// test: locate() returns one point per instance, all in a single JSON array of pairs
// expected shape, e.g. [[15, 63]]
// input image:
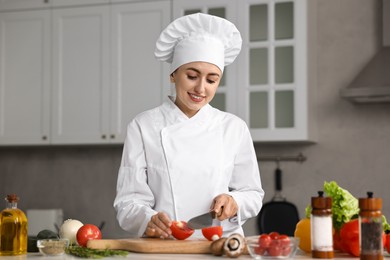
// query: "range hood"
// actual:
[[372, 84]]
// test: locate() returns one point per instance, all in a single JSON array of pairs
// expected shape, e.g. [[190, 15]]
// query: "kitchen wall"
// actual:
[[353, 146], [80, 180]]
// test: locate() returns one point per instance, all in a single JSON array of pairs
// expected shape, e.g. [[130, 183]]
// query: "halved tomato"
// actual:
[[212, 233], [180, 230]]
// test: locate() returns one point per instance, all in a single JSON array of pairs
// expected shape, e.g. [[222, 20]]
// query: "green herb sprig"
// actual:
[[85, 252]]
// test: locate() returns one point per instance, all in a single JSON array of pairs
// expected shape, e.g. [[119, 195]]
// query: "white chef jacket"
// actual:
[[178, 165]]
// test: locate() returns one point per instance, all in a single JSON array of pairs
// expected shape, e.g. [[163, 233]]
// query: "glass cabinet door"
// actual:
[[271, 65], [273, 69]]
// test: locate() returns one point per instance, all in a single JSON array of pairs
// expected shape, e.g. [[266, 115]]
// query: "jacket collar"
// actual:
[[175, 114]]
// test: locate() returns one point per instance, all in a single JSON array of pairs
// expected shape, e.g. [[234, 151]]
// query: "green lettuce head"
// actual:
[[344, 206]]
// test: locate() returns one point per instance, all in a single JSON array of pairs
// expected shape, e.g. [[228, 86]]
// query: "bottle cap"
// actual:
[[321, 202], [370, 203], [12, 198]]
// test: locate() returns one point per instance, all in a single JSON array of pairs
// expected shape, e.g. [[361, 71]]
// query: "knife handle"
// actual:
[[214, 214]]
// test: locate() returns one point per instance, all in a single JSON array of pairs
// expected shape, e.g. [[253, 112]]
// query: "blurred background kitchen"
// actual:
[[74, 72]]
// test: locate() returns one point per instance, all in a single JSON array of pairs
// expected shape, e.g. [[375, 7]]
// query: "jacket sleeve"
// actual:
[[134, 200], [245, 185]]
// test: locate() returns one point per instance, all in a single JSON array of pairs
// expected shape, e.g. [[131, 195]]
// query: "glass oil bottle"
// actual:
[[370, 225], [321, 227], [13, 228]]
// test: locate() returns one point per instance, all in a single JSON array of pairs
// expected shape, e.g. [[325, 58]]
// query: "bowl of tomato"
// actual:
[[272, 245]]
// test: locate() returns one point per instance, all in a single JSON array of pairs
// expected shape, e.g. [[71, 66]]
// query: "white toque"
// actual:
[[199, 37]]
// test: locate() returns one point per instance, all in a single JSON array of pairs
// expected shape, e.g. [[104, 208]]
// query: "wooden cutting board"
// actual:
[[153, 245]]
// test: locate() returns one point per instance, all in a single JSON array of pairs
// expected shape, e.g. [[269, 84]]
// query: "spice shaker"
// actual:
[[13, 228], [370, 224], [321, 227]]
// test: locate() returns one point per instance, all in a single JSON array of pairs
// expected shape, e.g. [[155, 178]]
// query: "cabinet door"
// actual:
[[61, 3], [225, 97], [6, 5], [139, 81], [130, 1], [273, 69], [25, 77], [80, 75]]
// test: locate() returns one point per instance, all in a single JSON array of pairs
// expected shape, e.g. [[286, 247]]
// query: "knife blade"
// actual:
[[202, 221]]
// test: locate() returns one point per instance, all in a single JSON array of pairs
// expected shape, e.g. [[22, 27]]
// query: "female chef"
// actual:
[[185, 158]]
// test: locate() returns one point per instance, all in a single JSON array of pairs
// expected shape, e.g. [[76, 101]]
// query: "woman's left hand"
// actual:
[[159, 226], [224, 206]]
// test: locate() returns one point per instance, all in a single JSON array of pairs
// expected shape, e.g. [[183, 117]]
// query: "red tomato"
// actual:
[[275, 248], [337, 241], [180, 230], [286, 250], [284, 244], [274, 235], [259, 250], [387, 245], [87, 232], [212, 233], [284, 240], [349, 234], [354, 247], [350, 230], [264, 240]]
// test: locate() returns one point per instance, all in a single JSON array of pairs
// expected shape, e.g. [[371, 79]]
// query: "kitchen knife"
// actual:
[[202, 221]]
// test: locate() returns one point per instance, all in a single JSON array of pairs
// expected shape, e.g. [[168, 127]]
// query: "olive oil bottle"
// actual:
[[13, 228]]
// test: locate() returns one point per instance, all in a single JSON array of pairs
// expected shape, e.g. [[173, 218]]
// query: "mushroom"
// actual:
[[216, 246], [234, 246]]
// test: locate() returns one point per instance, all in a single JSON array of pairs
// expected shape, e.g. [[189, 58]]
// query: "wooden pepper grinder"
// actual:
[[370, 225]]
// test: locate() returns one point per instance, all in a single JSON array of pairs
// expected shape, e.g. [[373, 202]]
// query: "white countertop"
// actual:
[[141, 256]]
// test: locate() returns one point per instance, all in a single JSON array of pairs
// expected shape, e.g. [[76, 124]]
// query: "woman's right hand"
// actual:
[[159, 226]]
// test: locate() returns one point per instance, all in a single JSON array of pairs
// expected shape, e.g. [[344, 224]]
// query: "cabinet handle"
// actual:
[[44, 137], [103, 136], [112, 136], [46, 1]]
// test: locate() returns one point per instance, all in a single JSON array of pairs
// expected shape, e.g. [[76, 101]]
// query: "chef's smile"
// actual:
[[196, 98], [196, 84]]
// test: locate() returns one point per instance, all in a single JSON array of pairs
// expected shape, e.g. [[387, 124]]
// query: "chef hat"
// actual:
[[199, 37]]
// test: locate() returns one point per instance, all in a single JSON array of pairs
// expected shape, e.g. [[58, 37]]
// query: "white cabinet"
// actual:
[[126, 1], [25, 77], [104, 69], [7, 5], [138, 81], [80, 71], [78, 75], [12, 5], [62, 3], [270, 88]]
